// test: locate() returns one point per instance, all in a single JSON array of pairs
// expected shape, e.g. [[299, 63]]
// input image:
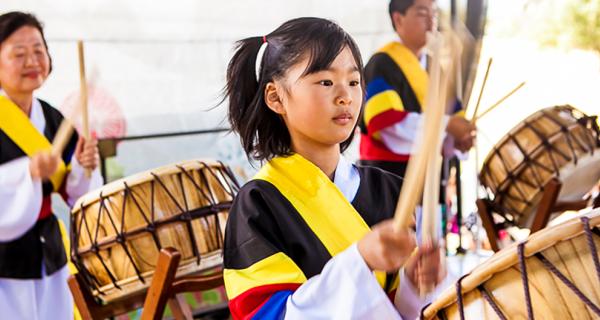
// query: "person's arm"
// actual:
[[20, 199], [85, 156], [401, 136], [78, 184], [345, 289], [262, 282]]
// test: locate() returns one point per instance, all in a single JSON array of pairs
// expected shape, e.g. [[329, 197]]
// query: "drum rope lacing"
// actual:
[[461, 308], [585, 140], [524, 277], [225, 176]]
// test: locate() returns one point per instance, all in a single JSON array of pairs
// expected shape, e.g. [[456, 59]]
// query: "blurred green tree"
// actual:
[[582, 20]]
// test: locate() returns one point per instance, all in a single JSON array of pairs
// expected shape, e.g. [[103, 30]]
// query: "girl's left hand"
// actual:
[[86, 153], [425, 269]]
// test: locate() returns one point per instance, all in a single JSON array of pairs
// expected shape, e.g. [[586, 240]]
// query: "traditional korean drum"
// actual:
[[555, 274], [559, 142], [118, 230]]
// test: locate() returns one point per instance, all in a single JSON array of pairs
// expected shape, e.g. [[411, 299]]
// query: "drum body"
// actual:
[[496, 289], [118, 230], [559, 142]]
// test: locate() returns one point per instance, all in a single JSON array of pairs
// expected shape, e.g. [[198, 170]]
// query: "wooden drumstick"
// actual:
[[429, 217], [83, 99], [487, 72], [430, 209], [448, 80], [412, 186], [62, 137], [477, 117]]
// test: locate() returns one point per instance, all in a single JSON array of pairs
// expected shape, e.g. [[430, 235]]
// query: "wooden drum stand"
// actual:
[[546, 207], [163, 289]]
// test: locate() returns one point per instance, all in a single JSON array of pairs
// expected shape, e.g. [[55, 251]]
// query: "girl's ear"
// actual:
[[272, 98]]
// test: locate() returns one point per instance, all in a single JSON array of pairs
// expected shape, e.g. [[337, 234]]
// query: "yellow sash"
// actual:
[[16, 125], [320, 203], [407, 61]]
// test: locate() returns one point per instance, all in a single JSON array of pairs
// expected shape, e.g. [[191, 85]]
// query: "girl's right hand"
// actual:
[[386, 249], [43, 165]]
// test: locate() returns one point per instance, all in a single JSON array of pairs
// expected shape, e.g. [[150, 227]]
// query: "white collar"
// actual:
[[37, 115], [347, 178]]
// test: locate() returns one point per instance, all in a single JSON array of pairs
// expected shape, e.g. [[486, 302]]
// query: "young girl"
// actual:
[[310, 237], [33, 270]]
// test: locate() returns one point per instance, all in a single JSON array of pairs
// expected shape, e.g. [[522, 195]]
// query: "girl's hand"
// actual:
[[425, 269], [386, 249], [43, 165], [86, 153]]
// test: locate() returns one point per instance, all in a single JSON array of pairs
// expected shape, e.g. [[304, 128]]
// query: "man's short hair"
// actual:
[[399, 6]]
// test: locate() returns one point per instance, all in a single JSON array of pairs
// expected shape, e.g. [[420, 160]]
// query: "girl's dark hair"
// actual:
[[263, 132], [13, 21]]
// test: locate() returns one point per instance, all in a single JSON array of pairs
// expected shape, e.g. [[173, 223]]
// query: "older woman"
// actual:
[[33, 270]]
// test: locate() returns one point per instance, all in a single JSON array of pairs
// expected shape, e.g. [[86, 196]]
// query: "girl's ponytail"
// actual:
[[262, 132], [242, 88]]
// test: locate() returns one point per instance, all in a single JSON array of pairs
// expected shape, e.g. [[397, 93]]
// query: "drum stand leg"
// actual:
[[90, 309], [548, 205], [163, 290], [87, 306], [158, 293], [164, 287], [179, 308], [487, 219]]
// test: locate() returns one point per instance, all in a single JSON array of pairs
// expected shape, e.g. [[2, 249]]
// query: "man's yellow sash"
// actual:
[[16, 125], [409, 64], [319, 201]]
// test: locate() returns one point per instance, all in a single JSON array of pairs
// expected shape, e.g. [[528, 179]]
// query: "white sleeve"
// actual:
[[407, 300], [20, 199], [345, 289], [78, 184], [402, 137], [399, 138]]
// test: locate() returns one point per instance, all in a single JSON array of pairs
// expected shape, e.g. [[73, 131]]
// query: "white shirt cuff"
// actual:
[[78, 184], [407, 300]]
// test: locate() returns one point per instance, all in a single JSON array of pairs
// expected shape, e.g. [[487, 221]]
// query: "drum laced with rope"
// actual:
[[555, 274], [558, 142], [117, 231]]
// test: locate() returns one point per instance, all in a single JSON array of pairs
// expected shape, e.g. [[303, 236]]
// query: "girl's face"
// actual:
[[319, 109], [24, 61]]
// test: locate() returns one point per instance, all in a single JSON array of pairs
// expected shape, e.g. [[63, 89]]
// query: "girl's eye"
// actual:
[[354, 83], [326, 83]]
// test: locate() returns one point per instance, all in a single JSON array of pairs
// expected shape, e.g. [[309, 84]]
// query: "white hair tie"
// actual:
[[259, 57]]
